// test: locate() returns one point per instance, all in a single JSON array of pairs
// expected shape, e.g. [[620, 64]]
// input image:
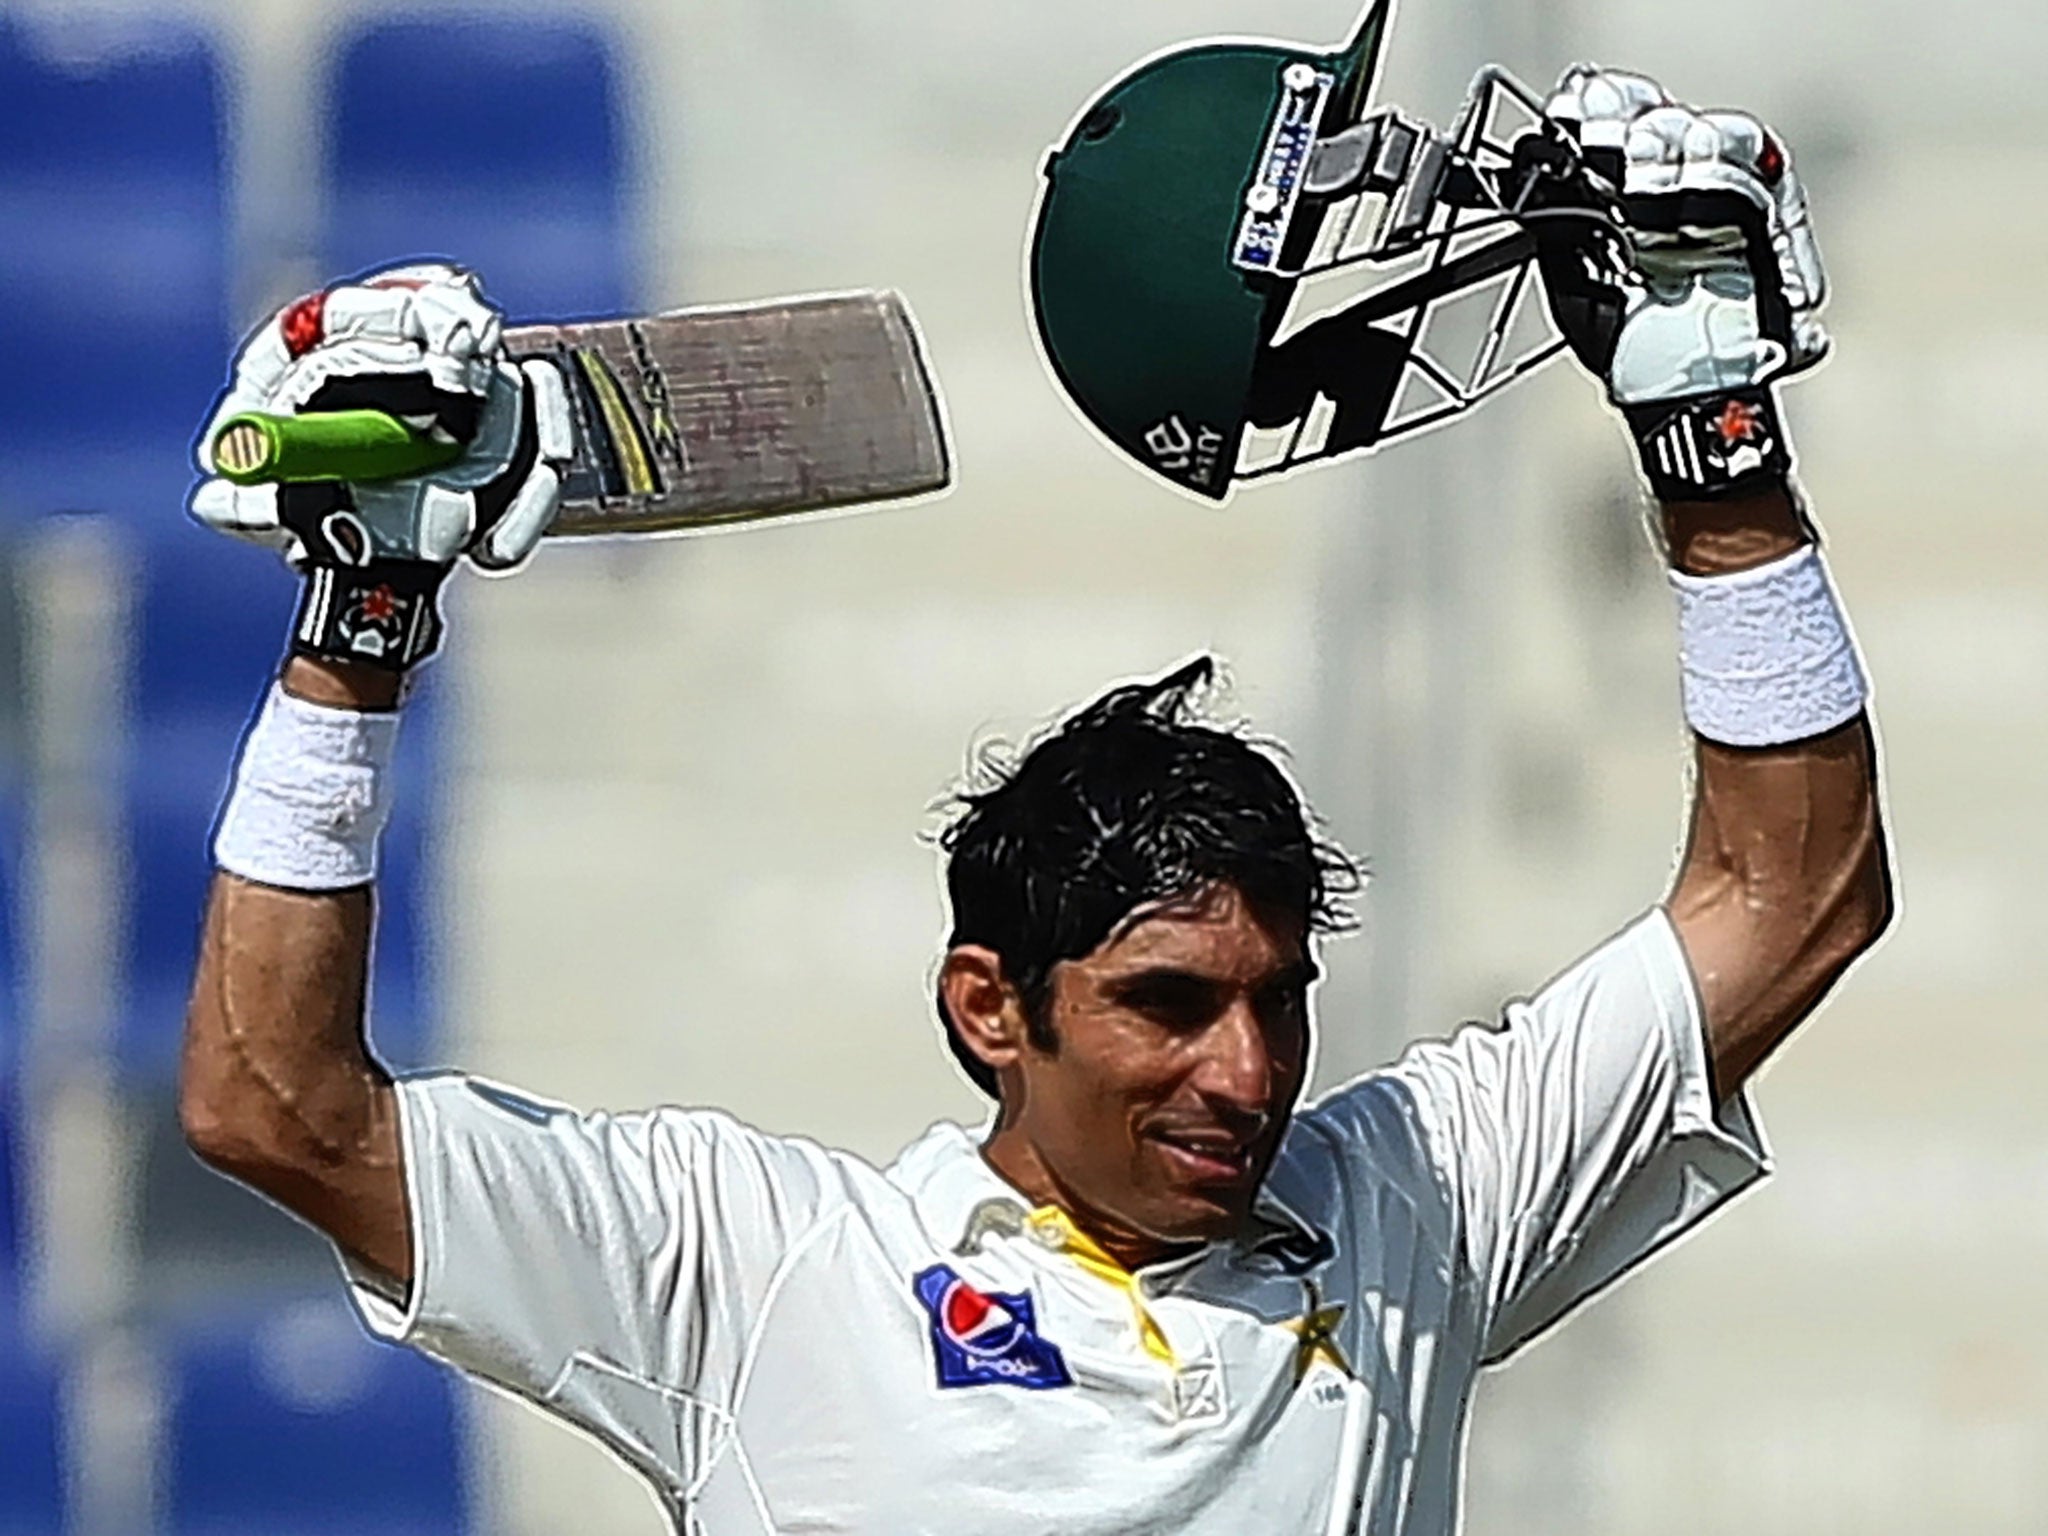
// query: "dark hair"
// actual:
[[1131, 799]]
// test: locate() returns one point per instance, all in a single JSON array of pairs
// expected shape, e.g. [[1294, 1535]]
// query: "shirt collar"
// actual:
[[963, 1201]]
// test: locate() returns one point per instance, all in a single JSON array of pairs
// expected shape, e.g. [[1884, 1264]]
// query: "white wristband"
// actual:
[[1765, 654], [310, 797]]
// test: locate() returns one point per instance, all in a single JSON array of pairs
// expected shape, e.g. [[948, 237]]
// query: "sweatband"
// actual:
[[1765, 655], [310, 797]]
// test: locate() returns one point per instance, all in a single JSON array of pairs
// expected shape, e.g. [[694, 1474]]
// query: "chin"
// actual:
[[1207, 1215]]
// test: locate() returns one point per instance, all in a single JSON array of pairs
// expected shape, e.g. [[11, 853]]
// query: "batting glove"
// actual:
[[419, 343], [1717, 296]]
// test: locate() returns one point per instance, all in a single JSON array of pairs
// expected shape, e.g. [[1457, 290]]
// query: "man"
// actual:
[[1150, 1295]]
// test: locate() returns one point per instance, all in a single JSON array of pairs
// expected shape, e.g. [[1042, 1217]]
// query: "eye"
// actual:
[[1283, 1007], [1173, 1000]]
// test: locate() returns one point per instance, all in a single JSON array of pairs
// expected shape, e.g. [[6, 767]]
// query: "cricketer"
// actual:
[[1155, 1291]]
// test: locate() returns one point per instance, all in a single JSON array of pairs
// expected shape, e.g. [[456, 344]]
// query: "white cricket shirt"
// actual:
[[784, 1338]]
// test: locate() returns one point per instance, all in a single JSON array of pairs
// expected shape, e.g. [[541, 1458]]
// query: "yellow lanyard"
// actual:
[[1050, 1220]]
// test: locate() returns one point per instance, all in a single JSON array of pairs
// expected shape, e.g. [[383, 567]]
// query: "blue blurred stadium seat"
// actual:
[[115, 266], [31, 1476], [289, 1421], [113, 263], [13, 748], [13, 1236], [492, 139], [31, 1479]]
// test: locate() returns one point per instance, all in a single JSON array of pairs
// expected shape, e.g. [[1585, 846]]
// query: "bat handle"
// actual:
[[255, 448]]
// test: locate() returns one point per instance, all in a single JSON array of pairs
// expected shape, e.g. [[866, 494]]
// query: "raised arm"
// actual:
[[1691, 317], [279, 1088], [1785, 878]]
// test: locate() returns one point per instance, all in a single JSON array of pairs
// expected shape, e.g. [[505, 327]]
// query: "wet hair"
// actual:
[[1132, 799]]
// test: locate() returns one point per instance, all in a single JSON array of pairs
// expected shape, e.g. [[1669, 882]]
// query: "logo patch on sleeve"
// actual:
[[986, 1337]]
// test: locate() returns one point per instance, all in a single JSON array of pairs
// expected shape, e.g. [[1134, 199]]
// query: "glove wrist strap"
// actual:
[[1711, 446], [382, 613]]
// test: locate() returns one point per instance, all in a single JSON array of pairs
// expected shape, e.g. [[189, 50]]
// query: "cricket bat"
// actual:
[[690, 419]]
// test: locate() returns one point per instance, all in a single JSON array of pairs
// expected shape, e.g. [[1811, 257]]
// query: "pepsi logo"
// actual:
[[983, 1337], [979, 1324]]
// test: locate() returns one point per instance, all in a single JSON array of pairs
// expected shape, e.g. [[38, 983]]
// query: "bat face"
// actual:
[[692, 419], [705, 417]]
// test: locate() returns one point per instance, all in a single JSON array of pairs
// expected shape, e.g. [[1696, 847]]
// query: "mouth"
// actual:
[[1205, 1157]]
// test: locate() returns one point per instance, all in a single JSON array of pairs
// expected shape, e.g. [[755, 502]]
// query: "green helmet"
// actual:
[[1153, 224]]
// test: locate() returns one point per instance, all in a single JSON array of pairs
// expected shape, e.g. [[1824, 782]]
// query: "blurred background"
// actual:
[[663, 802]]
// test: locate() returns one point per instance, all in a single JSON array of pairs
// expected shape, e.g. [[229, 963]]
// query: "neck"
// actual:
[[1020, 1163]]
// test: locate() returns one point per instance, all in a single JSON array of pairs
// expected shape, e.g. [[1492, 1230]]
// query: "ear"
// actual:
[[985, 1008]]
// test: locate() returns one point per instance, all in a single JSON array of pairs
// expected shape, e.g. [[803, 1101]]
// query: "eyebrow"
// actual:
[[1299, 974]]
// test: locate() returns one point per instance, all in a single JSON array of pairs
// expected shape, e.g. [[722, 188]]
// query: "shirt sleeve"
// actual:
[[608, 1267], [1578, 1136]]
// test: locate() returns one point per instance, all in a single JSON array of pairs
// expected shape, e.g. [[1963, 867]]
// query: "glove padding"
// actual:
[[421, 343], [1723, 286]]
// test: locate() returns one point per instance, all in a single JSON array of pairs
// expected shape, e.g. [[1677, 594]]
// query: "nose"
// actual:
[[1236, 1073]]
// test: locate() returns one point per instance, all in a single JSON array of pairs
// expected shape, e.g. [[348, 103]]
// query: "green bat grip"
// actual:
[[258, 449]]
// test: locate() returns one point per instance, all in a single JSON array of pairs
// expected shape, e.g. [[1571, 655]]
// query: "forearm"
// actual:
[[1784, 879], [1784, 882], [278, 1088]]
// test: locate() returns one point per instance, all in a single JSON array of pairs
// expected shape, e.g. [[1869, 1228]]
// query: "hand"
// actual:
[[1723, 286], [420, 343]]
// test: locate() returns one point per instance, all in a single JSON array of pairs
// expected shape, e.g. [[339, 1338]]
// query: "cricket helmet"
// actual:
[[1149, 312]]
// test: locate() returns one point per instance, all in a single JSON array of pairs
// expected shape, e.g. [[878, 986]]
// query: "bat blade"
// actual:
[[704, 417], [691, 419]]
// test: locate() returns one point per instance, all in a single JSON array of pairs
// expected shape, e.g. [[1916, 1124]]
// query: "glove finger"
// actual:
[[264, 360], [1598, 104], [447, 522], [1800, 268], [438, 307], [1740, 140], [1654, 145], [1708, 161], [363, 313], [430, 303], [453, 321], [246, 511], [553, 423], [529, 514], [458, 374], [355, 359], [465, 374]]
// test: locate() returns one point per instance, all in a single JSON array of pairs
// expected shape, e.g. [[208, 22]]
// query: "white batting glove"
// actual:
[[422, 344], [1727, 284]]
